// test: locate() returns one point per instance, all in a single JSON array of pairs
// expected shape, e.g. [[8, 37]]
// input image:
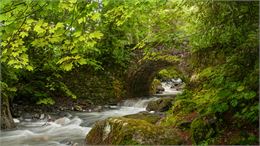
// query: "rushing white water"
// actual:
[[168, 90], [68, 131], [64, 130]]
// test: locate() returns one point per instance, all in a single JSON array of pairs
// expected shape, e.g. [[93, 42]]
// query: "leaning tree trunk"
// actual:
[[6, 117]]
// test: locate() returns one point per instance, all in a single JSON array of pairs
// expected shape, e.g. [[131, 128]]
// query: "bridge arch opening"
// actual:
[[140, 81], [168, 81]]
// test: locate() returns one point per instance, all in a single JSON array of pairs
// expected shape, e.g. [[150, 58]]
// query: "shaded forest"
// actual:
[[84, 54]]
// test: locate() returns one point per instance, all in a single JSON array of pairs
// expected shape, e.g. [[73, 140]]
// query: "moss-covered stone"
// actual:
[[154, 86], [97, 86], [121, 131], [148, 117], [160, 105]]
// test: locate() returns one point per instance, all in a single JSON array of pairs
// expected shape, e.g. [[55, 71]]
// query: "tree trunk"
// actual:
[[7, 121]]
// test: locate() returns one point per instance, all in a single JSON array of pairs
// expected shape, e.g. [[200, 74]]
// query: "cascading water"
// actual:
[[168, 90], [69, 131], [64, 130]]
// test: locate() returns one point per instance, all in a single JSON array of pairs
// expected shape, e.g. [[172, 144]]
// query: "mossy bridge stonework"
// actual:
[[141, 76], [115, 84]]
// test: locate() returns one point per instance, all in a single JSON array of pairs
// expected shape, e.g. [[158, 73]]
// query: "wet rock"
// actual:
[[42, 116], [125, 131], [16, 120], [178, 81], [98, 109], [160, 105], [113, 107], [66, 141], [159, 89], [62, 121], [49, 118], [36, 116], [174, 85], [26, 117], [64, 114], [77, 108], [148, 117], [152, 112]]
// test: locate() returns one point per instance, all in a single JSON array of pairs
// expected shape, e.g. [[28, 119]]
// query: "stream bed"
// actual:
[[73, 130]]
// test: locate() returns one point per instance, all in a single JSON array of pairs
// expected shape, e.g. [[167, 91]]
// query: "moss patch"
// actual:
[[131, 131], [148, 117]]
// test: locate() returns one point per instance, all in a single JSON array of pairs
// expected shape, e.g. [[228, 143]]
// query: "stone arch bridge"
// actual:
[[140, 77]]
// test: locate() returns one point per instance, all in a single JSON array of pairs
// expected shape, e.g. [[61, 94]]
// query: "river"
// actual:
[[69, 131]]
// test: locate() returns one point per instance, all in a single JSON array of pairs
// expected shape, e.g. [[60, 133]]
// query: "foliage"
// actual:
[[33, 25], [43, 40], [169, 73], [46, 101], [225, 64]]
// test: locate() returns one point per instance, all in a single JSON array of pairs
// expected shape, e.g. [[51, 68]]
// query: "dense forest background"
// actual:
[[71, 49]]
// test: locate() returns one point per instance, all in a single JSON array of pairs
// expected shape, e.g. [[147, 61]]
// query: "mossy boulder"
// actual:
[[148, 117], [154, 86], [160, 105], [126, 131]]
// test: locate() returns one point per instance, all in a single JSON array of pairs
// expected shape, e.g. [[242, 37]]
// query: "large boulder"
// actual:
[[126, 131], [160, 105], [148, 117]]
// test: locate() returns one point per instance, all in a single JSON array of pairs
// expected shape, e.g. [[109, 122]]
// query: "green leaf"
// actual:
[[55, 39], [30, 68], [95, 16], [249, 95], [38, 27], [72, 1], [23, 34], [29, 21], [11, 62], [96, 34], [46, 101], [240, 88], [15, 54], [59, 25], [82, 38], [81, 20], [67, 67], [234, 103], [77, 34], [82, 61], [3, 44]]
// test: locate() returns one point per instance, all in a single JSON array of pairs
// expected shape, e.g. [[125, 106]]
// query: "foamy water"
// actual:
[[61, 132]]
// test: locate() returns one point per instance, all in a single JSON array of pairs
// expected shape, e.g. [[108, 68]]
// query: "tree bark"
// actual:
[[7, 121]]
